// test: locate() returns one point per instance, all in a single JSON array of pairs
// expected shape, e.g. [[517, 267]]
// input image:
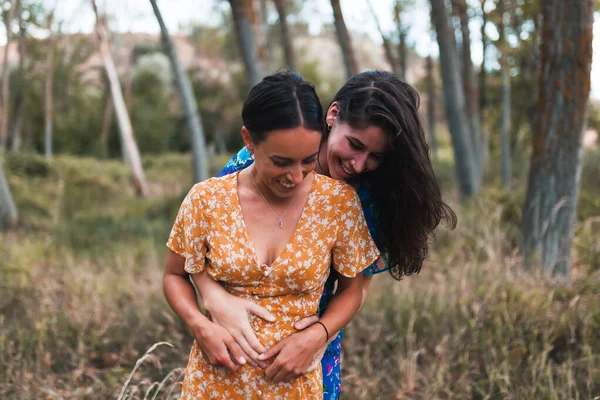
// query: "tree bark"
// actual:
[[431, 106], [483, 89], [20, 98], [344, 40], [186, 93], [465, 162], [5, 78], [401, 41], [505, 157], [245, 19], [8, 210], [286, 39], [106, 121], [125, 128], [557, 150], [48, 98], [469, 80]]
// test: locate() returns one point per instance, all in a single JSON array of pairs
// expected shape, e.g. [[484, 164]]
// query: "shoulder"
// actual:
[[240, 161], [336, 190], [211, 187]]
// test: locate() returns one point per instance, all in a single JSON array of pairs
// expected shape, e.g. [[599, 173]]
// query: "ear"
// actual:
[[247, 138], [332, 113]]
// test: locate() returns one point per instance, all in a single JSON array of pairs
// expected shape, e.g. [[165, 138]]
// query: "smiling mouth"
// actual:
[[346, 170], [287, 185]]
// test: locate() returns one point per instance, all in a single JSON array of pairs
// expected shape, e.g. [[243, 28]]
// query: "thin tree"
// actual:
[[484, 155], [431, 105], [48, 98], [20, 95], [469, 80], [286, 39], [189, 102], [387, 46], [106, 119], [557, 150], [401, 39], [5, 77], [8, 210], [350, 63], [125, 128], [245, 20], [505, 157], [464, 159]]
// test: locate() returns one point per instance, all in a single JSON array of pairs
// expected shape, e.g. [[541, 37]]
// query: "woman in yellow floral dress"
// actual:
[[270, 234]]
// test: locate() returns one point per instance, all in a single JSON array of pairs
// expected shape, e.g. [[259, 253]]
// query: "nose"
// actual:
[[296, 175], [359, 163]]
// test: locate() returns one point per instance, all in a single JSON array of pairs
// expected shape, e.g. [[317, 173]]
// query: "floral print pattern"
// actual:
[[331, 359], [211, 235]]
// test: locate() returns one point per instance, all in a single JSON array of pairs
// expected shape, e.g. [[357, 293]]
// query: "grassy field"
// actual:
[[81, 298]]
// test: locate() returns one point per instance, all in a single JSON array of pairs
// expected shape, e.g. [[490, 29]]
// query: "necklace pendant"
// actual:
[[280, 224]]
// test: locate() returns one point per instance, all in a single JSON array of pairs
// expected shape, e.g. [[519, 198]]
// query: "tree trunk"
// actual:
[[469, 81], [387, 46], [465, 163], [8, 209], [264, 41], [485, 152], [286, 39], [556, 159], [244, 19], [125, 128], [186, 92], [20, 98], [505, 167], [431, 106], [343, 36], [401, 67], [505, 157], [5, 78], [48, 102]]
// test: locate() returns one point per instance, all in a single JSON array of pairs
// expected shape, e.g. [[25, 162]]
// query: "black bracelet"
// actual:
[[324, 327]]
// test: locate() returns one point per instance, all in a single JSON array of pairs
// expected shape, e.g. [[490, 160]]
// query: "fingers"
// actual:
[[249, 351], [272, 352], [306, 322], [220, 356], [253, 341], [261, 312], [236, 352]]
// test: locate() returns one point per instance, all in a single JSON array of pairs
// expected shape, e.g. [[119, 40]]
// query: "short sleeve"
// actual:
[[188, 235], [242, 160], [354, 249]]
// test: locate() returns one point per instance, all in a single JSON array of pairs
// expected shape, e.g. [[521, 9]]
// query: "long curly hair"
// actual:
[[405, 190]]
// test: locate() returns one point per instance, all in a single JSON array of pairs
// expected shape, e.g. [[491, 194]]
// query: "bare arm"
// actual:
[[215, 342]]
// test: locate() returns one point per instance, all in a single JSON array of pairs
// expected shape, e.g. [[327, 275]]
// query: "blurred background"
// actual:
[[111, 110]]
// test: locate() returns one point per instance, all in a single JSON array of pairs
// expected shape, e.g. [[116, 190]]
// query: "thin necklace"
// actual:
[[280, 219]]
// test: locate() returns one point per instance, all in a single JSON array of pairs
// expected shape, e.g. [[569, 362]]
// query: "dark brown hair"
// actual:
[[406, 194]]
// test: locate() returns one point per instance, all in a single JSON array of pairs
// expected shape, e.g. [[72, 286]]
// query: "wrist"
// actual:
[[319, 333], [197, 322]]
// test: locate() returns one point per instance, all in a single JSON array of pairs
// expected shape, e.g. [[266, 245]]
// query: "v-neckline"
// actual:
[[292, 238]]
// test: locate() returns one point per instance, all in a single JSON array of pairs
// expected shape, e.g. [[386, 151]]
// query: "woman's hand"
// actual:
[[232, 312], [296, 355], [215, 342], [217, 345]]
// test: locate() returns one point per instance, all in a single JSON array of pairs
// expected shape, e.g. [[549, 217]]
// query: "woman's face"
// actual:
[[283, 159], [350, 152]]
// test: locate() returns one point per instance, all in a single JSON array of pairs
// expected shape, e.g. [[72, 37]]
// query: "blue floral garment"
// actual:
[[331, 359]]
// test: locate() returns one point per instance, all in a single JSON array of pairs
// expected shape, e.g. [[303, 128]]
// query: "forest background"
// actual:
[[107, 120]]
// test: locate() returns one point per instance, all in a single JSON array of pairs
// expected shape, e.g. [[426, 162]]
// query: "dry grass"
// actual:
[[82, 302]]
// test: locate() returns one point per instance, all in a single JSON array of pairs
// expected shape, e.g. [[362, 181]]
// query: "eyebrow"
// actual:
[[281, 158], [378, 153]]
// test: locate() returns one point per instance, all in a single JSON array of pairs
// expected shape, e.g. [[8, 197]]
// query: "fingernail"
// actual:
[[271, 318], [242, 360], [261, 357]]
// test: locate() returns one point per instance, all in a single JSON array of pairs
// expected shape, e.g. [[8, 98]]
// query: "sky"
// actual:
[[137, 16]]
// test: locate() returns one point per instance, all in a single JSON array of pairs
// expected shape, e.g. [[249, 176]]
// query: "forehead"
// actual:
[[295, 143]]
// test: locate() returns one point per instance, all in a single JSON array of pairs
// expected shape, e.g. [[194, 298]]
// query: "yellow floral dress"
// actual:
[[210, 234]]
